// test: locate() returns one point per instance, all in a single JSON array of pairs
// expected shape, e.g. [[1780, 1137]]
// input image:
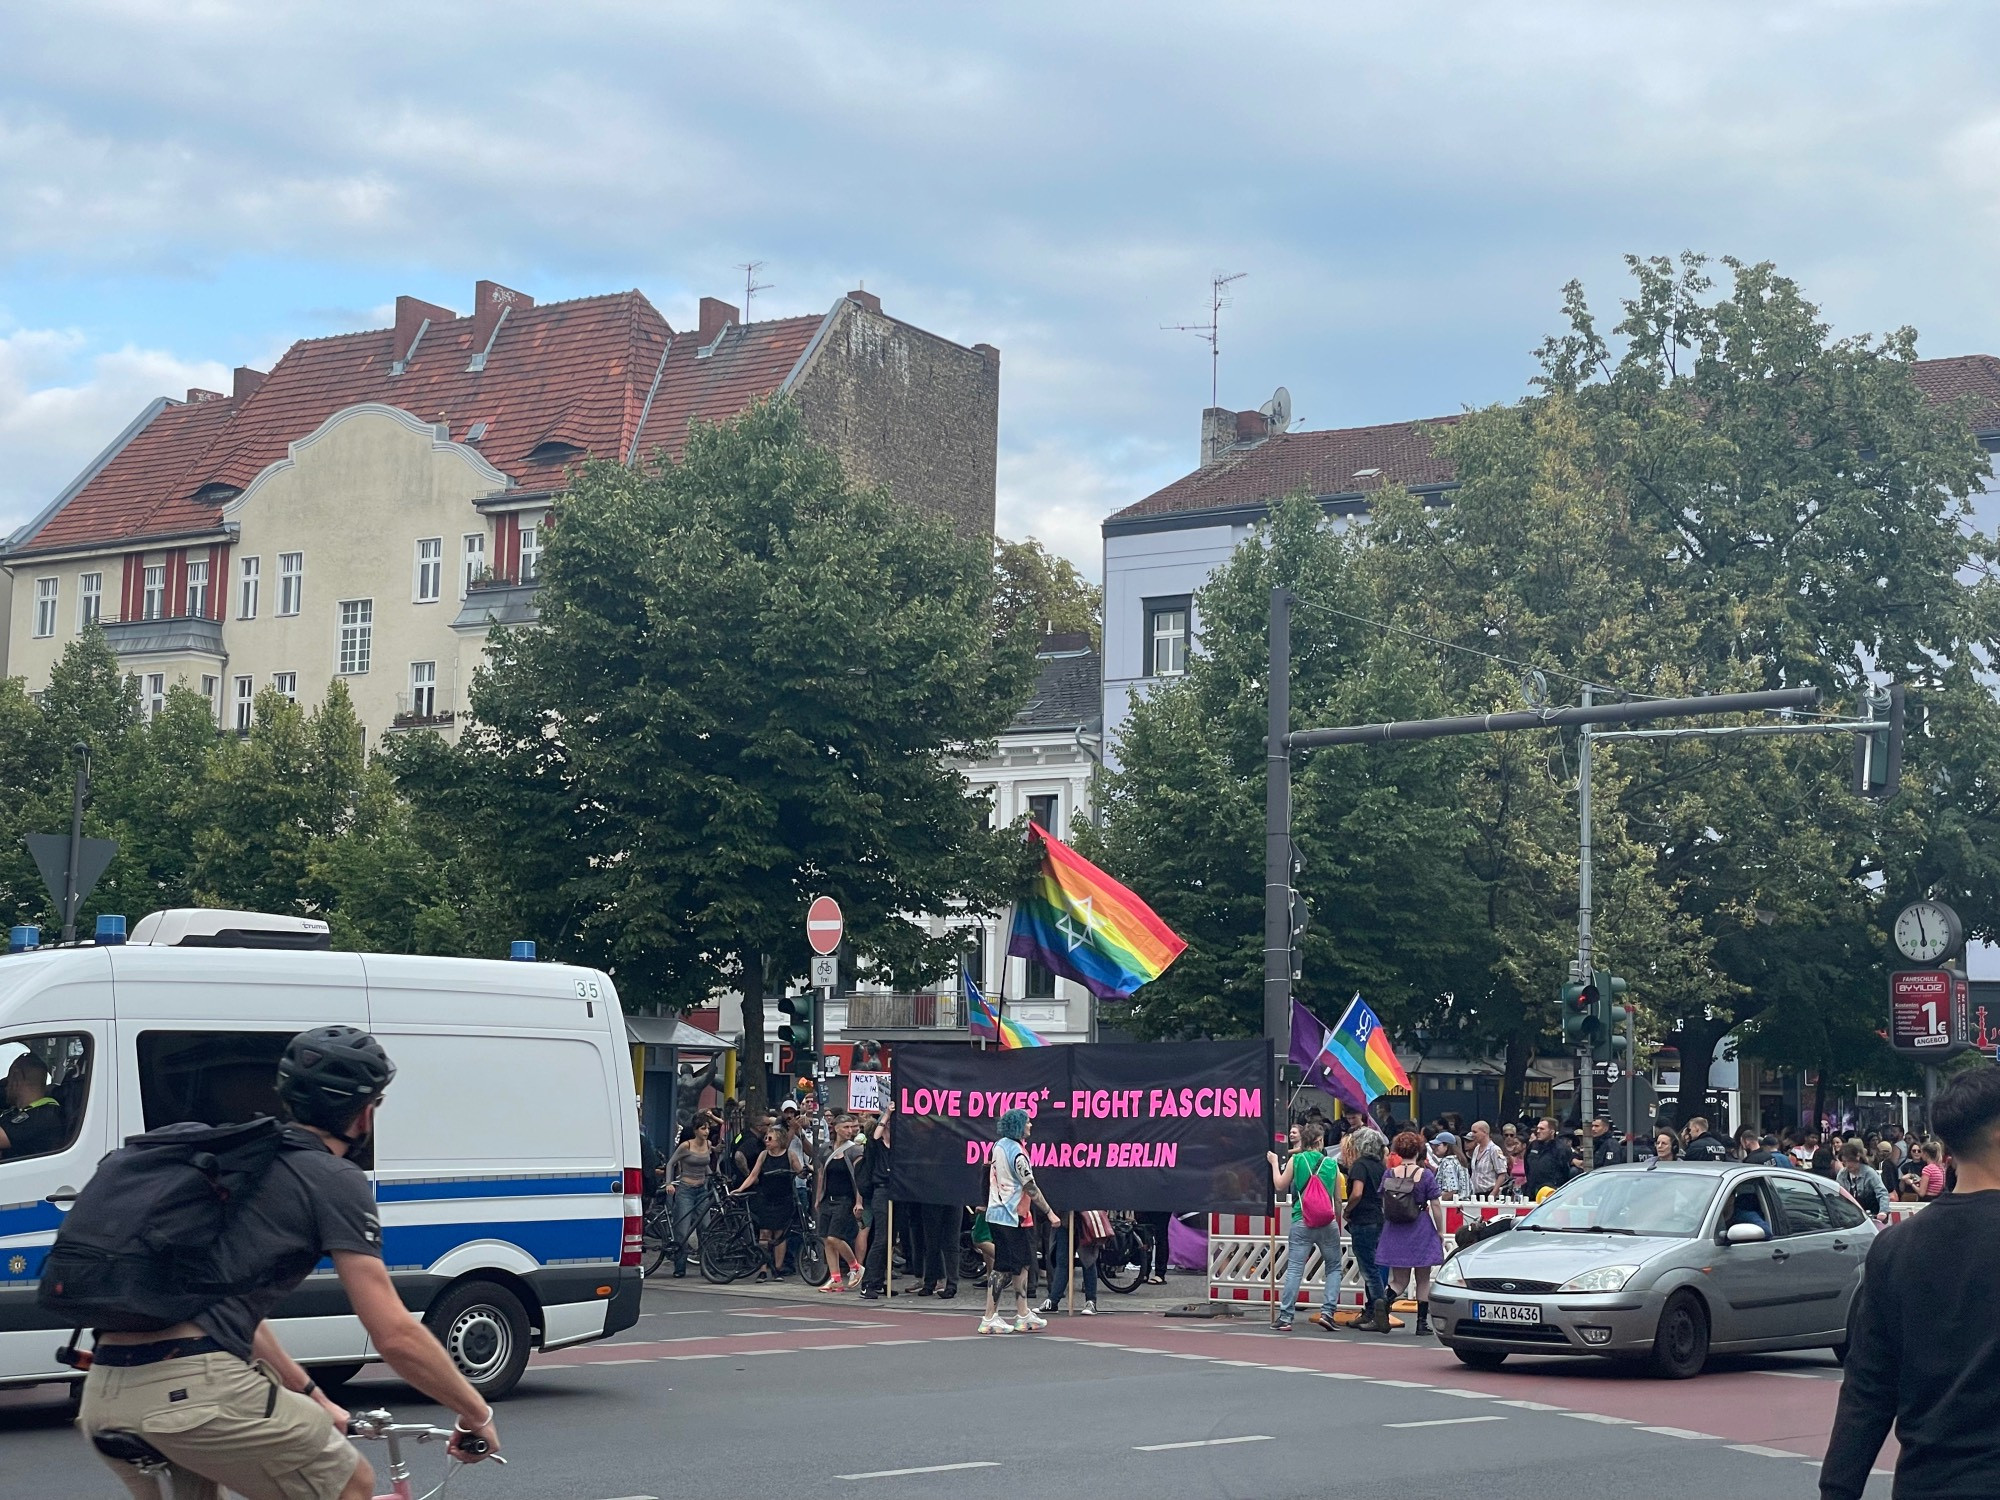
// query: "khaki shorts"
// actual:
[[226, 1423]]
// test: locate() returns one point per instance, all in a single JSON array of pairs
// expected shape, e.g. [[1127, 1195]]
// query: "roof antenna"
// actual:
[[751, 285], [1210, 332]]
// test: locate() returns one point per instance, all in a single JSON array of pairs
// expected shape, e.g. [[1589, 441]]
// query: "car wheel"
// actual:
[[332, 1376], [1680, 1344], [1481, 1359], [484, 1329]]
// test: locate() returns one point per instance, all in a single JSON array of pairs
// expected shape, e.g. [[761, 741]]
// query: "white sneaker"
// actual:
[[1088, 1310], [1028, 1322], [1046, 1307], [995, 1324]]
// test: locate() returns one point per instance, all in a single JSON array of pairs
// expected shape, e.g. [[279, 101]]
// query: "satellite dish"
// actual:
[[1278, 410]]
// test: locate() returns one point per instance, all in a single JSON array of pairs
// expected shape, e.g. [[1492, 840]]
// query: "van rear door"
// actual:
[[200, 1031]]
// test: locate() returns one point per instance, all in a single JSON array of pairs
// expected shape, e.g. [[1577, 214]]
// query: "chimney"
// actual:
[[491, 303], [867, 299], [412, 314], [1252, 427], [1218, 433], [247, 381], [716, 315], [196, 395], [988, 353]]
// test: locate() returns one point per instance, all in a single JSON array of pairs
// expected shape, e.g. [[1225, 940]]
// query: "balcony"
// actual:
[[869, 1015], [498, 599], [169, 635], [410, 719]]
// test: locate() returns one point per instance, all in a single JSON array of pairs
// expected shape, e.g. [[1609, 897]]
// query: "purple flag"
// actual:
[[1309, 1049]]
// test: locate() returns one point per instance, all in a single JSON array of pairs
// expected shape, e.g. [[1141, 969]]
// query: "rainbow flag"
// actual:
[[1014, 1034], [1078, 922], [982, 1019], [1355, 1062]]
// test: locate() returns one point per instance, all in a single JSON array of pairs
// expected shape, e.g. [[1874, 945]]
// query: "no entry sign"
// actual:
[[824, 924]]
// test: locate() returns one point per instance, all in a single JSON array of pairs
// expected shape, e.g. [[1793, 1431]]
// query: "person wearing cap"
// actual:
[[1448, 1161], [1011, 1186]]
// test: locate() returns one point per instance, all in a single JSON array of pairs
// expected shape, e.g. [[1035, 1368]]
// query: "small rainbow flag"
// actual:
[[1014, 1034], [981, 1018], [1355, 1062], [1078, 922]]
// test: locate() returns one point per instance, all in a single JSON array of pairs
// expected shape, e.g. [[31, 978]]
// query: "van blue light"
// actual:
[[522, 950], [23, 939], [110, 932]]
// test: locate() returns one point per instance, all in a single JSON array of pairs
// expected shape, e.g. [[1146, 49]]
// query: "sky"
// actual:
[[187, 185]]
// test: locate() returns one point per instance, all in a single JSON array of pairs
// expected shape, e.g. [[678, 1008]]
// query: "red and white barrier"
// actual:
[[1247, 1253]]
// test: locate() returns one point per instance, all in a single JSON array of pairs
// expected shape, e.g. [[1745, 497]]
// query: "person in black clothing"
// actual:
[[775, 1203], [1923, 1346], [31, 1125], [1158, 1223], [877, 1180], [1701, 1146], [937, 1226], [1547, 1158]]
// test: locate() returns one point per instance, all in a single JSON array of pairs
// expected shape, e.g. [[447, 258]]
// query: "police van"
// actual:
[[506, 1157]]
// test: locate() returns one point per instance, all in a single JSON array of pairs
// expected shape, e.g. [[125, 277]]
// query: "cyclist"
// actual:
[[775, 1206], [218, 1396]]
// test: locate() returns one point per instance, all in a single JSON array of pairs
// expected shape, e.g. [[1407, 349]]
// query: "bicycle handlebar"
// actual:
[[380, 1424]]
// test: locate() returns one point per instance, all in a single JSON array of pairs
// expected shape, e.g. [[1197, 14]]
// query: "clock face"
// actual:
[[1926, 931]]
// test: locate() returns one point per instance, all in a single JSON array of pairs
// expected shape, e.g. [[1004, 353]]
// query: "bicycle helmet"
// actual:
[[329, 1074]]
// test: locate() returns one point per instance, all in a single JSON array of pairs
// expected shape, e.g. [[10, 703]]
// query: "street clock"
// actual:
[[1927, 932]]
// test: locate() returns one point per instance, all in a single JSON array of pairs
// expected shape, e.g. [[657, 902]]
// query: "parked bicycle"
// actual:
[[661, 1236], [1125, 1260], [727, 1239]]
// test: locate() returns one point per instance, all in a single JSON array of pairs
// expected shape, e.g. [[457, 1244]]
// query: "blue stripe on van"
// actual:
[[547, 1240], [26, 1218], [497, 1187], [29, 1258]]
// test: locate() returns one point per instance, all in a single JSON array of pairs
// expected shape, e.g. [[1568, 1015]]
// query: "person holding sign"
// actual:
[[1313, 1180], [1010, 1186]]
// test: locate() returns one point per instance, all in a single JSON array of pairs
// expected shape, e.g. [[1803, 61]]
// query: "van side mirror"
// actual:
[[1745, 1234]]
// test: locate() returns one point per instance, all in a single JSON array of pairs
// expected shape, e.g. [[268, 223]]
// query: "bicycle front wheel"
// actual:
[[812, 1260], [723, 1257], [1122, 1266], [659, 1241]]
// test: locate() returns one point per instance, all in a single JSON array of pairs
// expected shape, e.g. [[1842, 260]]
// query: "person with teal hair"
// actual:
[[1010, 1186]]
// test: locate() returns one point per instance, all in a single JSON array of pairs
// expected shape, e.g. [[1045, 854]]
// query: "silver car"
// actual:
[[1664, 1262]]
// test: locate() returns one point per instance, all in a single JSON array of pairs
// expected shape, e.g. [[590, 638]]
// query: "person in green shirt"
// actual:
[[1309, 1161]]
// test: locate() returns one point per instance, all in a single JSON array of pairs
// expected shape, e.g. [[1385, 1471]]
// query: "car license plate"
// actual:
[[1506, 1312]]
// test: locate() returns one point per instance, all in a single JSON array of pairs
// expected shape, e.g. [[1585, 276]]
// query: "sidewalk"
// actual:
[[1182, 1287]]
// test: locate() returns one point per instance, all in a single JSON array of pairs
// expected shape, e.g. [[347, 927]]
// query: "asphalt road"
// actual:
[[781, 1393]]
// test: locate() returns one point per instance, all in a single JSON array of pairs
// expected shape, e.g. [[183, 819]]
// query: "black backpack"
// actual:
[[1399, 1197], [147, 1243]]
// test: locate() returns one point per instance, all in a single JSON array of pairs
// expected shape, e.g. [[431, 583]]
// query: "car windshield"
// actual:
[[1662, 1203]]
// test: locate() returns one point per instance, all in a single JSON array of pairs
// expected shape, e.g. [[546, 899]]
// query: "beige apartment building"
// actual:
[[372, 507]]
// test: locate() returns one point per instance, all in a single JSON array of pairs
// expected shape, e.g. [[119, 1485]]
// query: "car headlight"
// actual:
[[1449, 1274], [1602, 1279]]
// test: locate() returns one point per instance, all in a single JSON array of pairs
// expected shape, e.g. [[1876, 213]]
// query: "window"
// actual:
[[250, 577], [1042, 813], [153, 599], [423, 688], [1845, 1212], [474, 555], [90, 600], [209, 688], [1166, 637], [291, 582], [430, 570], [1804, 1210], [357, 636], [246, 704], [286, 685], [213, 1077], [531, 553], [54, 1069], [197, 590], [153, 699], [45, 606]]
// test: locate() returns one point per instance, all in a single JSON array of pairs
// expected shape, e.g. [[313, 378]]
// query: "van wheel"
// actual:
[[484, 1329], [1680, 1347], [333, 1375]]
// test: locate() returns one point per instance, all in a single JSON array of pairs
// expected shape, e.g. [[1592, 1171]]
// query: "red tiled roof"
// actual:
[[1338, 461], [572, 375], [1342, 461], [748, 364]]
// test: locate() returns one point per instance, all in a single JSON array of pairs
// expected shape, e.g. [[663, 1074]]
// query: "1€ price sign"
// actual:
[[1921, 1011]]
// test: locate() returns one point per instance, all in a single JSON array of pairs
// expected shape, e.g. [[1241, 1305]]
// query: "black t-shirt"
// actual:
[[1366, 1173], [309, 1204], [33, 1129], [839, 1186], [774, 1178]]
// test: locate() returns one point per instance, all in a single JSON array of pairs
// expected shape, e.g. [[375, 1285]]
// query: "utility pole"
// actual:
[[72, 899], [1585, 1079], [1278, 831]]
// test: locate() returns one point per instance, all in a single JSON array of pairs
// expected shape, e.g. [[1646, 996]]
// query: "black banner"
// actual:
[[1159, 1126]]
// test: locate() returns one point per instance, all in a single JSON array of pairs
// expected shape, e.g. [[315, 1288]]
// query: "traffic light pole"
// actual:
[[1278, 832], [1586, 1079]]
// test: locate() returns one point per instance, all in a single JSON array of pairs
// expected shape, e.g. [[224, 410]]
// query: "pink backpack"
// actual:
[[1316, 1203]]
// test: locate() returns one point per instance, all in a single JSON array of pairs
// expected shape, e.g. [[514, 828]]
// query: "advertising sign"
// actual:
[[1924, 1011], [1161, 1126]]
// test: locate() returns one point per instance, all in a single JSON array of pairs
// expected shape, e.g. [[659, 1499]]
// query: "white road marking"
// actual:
[[1339, 1375], [1445, 1422], [1446, 1390], [1762, 1452], [1532, 1405], [1682, 1432], [1256, 1437], [1598, 1416], [1795, 1374], [1401, 1385], [632, 1361], [927, 1469]]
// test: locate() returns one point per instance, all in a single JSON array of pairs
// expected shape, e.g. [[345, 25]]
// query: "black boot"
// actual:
[[1378, 1314], [1423, 1320]]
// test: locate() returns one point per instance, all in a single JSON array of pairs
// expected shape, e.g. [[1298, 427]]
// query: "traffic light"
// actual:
[[1580, 1020], [1878, 753], [1613, 1042], [797, 1030]]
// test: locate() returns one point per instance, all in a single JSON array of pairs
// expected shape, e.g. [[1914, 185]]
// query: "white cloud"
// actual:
[[60, 405]]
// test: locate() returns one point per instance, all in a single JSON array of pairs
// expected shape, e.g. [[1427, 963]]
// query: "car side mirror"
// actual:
[[1745, 1234]]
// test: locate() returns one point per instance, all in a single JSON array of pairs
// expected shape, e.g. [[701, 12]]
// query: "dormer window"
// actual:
[[216, 493], [555, 451]]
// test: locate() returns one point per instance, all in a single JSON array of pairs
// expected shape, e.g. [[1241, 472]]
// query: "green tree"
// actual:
[[1038, 593], [747, 687]]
